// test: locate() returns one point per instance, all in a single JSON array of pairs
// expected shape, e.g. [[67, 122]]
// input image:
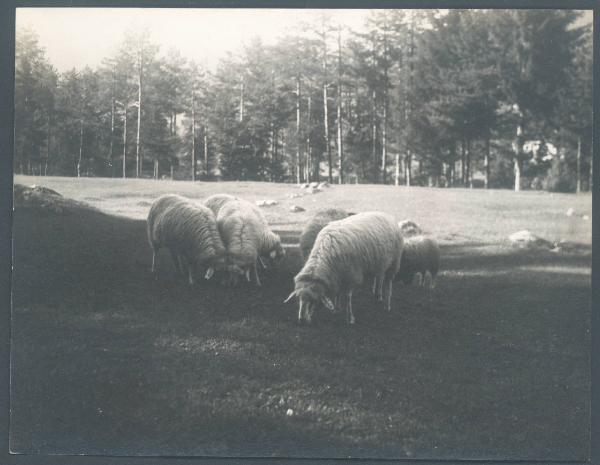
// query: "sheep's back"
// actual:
[[310, 231], [158, 209], [240, 229], [215, 202], [369, 243]]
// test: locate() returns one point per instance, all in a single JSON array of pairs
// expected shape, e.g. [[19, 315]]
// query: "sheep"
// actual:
[[421, 255], [310, 231], [189, 231], [344, 252], [242, 231], [216, 201], [410, 228]]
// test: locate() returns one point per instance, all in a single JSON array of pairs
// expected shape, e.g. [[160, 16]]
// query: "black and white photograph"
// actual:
[[302, 233]]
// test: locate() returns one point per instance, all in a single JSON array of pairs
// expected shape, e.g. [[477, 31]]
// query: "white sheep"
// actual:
[[319, 220], [420, 257], [409, 228], [189, 231], [344, 253], [216, 201], [241, 230]]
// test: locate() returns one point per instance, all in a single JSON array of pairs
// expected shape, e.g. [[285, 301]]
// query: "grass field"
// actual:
[[493, 363]]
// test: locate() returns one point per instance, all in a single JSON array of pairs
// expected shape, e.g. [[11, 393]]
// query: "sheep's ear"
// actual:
[[273, 254], [293, 294], [326, 301], [209, 273]]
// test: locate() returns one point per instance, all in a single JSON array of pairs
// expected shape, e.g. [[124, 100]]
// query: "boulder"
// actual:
[[266, 203], [297, 208], [526, 239]]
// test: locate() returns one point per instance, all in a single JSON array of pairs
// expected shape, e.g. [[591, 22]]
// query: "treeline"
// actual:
[[465, 98]]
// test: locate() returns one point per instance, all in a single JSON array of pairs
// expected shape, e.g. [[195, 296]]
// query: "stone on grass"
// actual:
[[266, 203], [526, 239], [570, 212], [297, 208]]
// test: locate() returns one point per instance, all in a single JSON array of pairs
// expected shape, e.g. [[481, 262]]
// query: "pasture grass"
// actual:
[[493, 363]]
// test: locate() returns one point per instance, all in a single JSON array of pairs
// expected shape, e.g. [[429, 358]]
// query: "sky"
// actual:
[[76, 37]]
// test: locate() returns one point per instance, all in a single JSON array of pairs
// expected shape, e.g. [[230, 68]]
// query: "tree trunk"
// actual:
[[273, 145], [80, 147], [486, 162], [125, 145], [242, 100], [298, 130], [48, 136], [206, 151], [138, 167], [374, 138], [578, 186], [517, 158], [339, 110], [463, 177], [468, 167], [590, 182], [155, 169], [397, 173], [408, 167], [384, 143], [326, 132], [112, 136], [193, 138], [308, 147]]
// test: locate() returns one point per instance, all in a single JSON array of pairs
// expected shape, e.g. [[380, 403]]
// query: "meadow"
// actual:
[[494, 363]]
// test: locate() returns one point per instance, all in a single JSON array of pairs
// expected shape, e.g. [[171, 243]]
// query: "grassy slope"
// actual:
[[493, 363]]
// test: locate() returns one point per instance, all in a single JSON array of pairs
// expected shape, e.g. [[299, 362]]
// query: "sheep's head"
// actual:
[[235, 273], [310, 297], [217, 262], [274, 255]]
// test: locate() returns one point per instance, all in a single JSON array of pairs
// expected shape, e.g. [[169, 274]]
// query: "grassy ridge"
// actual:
[[494, 363]]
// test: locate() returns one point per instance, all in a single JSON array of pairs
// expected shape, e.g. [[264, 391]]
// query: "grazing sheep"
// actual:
[[409, 228], [216, 201], [421, 255], [310, 231], [242, 231], [190, 233], [344, 252], [270, 249]]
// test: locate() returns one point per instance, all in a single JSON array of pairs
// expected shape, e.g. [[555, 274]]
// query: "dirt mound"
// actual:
[[46, 199]]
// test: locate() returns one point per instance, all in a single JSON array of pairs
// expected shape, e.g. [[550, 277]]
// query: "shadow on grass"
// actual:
[[107, 360]]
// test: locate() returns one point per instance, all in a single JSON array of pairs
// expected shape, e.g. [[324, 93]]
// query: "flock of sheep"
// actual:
[[340, 250]]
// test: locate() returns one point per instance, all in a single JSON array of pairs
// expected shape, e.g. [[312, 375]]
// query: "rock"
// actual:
[[526, 239], [297, 208], [296, 195], [266, 203], [409, 228], [323, 185], [570, 212], [313, 190], [585, 217], [289, 412], [304, 186], [314, 184]]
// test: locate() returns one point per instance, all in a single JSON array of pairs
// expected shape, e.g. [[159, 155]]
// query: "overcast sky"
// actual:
[[75, 37]]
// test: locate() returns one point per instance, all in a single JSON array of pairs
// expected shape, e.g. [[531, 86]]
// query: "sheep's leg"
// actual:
[[258, 283], [349, 313], [175, 258], [374, 285], [247, 274], [418, 279], [153, 269], [190, 274], [388, 294], [380, 288]]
